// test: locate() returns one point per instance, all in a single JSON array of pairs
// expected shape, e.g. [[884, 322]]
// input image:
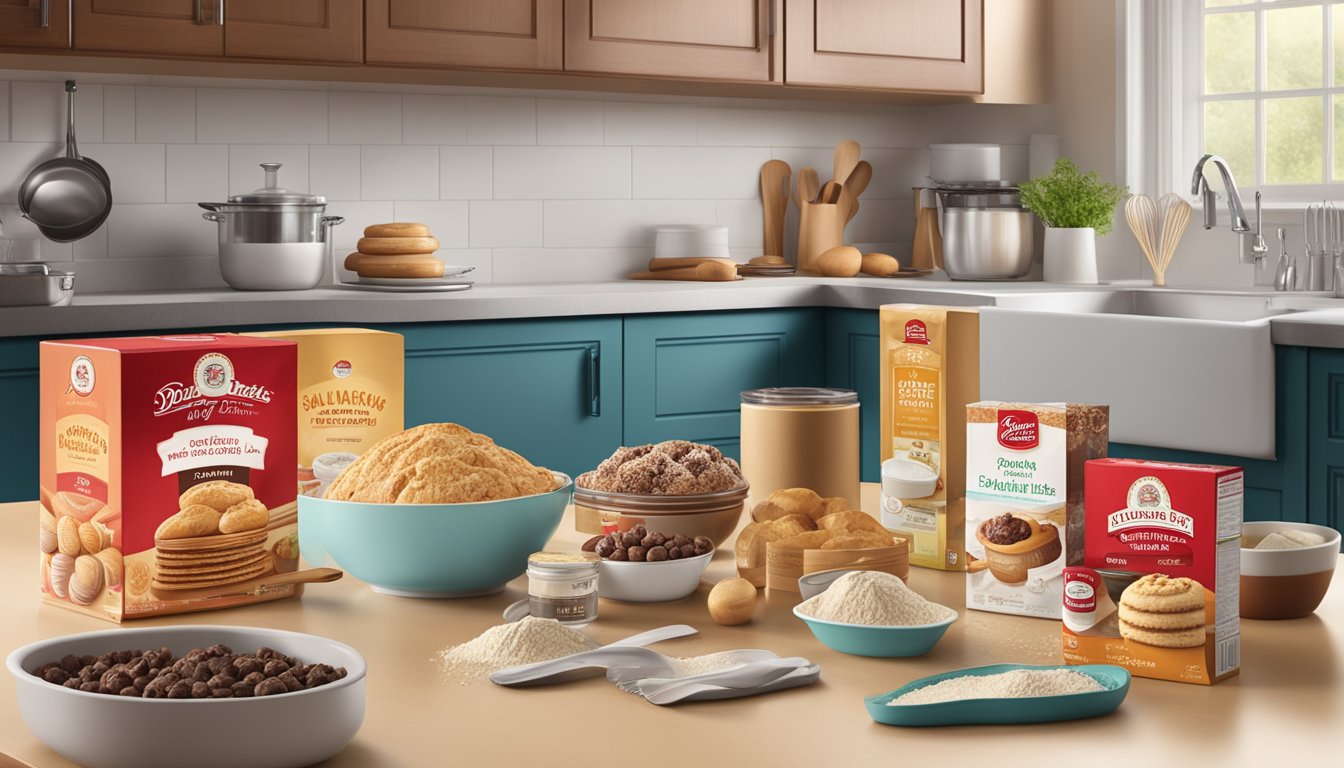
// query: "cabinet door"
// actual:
[[908, 45], [35, 23], [1325, 475], [549, 390], [18, 449], [684, 373], [176, 27], [500, 34], [714, 39], [853, 361], [303, 30]]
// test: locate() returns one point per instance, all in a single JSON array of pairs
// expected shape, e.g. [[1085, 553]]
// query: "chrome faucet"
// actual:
[[1200, 186]]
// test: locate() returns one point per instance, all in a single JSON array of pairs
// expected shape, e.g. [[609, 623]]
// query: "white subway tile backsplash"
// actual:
[[37, 112], [745, 222], [4, 111], [446, 219], [698, 172], [358, 215], [569, 122], [91, 248], [399, 173], [246, 175], [562, 173], [333, 171], [535, 265], [16, 160], [364, 118], [101, 276], [480, 259], [24, 243], [618, 223], [433, 119], [466, 173], [501, 120], [119, 114], [636, 124], [259, 116], [505, 224], [169, 233], [136, 170], [165, 115], [197, 173], [608, 263], [882, 221]]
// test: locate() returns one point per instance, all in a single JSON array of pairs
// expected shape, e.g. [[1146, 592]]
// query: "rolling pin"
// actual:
[[712, 271], [657, 265]]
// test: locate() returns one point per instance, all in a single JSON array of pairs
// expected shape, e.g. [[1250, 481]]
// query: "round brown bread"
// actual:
[[397, 229], [415, 265], [397, 246]]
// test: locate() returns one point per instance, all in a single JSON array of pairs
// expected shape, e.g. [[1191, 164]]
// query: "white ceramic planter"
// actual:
[[1071, 255]]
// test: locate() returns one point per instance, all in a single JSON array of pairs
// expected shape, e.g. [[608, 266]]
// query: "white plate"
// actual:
[[447, 273], [441, 286]]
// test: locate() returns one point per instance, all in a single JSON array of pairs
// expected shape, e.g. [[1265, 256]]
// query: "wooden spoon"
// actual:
[[712, 271], [809, 185], [830, 193], [859, 178], [658, 265], [846, 158], [775, 203]]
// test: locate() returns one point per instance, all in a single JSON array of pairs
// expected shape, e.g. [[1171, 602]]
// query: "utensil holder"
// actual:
[[821, 227]]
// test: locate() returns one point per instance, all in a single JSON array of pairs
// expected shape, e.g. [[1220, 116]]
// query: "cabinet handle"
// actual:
[[219, 12], [198, 13], [44, 14], [594, 381]]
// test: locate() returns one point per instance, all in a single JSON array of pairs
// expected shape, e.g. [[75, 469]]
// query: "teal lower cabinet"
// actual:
[[547, 389], [854, 361], [684, 372], [18, 426], [1325, 438]]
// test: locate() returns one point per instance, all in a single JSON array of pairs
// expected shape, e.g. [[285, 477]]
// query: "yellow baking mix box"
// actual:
[[930, 372], [351, 395], [166, 473], [1158, 591]]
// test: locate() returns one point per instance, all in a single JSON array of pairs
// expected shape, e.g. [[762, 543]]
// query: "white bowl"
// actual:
[[908, 479], [651, 582], [288, 729], [964, 162]]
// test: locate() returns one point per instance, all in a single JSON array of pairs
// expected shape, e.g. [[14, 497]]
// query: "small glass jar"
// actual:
[[563, 587]]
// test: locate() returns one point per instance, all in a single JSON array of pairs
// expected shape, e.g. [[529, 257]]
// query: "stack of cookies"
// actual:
[[1163, 611], [396, 250], [217, 537]]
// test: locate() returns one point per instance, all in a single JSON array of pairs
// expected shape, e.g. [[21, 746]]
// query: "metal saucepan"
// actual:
[[67, 197], [987, 243]]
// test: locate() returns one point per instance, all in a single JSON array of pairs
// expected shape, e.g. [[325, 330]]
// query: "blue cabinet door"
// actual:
[[684, 373], [549, 390], [1325, 475], [18, 425], [854, 361]]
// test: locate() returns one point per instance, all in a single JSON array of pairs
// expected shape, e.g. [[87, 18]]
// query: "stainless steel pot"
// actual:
[[272, 239], [986, 243], [28, 285]]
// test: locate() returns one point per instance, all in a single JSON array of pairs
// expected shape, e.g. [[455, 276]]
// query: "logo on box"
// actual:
[[1019, 430], [916, 332]]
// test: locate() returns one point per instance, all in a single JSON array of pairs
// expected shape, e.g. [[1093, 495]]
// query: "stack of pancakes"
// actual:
[[399, 249], [1163, 611], [209, 561]]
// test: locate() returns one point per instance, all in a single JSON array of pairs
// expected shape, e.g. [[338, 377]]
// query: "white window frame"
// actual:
[[1163, 79]]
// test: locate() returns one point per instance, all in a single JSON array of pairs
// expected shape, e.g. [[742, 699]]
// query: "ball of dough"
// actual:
[[732, 601], [840, 261]]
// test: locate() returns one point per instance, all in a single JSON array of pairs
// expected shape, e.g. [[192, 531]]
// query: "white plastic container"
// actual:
[[682, 241], [960, 163]]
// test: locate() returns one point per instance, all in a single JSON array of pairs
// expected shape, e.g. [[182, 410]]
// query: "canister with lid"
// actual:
[[801, 437], [562, 586]]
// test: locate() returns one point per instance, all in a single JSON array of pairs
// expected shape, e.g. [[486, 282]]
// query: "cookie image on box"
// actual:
[[1163, 611]]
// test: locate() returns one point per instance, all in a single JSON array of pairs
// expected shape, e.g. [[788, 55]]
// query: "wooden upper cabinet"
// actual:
[[300, 30], [712, 39], [498, 34], [908, 45], [35, 23], [172, 27]]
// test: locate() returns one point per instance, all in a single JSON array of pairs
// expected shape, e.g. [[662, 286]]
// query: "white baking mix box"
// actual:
[[167, 473], [351, 395], [1024, 500]]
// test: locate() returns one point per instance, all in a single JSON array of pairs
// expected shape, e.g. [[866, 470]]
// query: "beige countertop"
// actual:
[[1287, 705]]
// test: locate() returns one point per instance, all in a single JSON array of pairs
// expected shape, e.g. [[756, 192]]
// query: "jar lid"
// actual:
[[562, 560], [800, 396], [273, 193]]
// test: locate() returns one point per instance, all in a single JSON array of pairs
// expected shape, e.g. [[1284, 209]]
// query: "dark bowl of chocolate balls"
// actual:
[[640, 565]]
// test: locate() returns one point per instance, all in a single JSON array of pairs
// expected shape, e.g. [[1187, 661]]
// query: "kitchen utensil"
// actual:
[[272, 239], [1315, 224], [821, 227], [847, 155], [812, 584], [1114, 681], [809, 187], [986, 243], [775, 175], [729, 659], [67, 197], [1281, 282], [690, 241], [849, 204], [258, 586], [792, 677], [1174, 215], [750, 672], [714, 271], [746, 270], [1141, 215], [965, 163], [299, 728], [859, 178], [29, 285], [877, 641], [658, 265], [830, 193], [432, 550], [580, 664], [927, 252]]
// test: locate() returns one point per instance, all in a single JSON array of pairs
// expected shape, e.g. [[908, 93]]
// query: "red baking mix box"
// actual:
[[167, 471], [1158, 591]]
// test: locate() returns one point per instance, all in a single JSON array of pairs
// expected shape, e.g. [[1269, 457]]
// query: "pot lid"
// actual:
[[800, 396], [273, 193]]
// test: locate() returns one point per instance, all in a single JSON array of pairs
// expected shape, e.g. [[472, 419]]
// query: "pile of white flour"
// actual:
[[874, 598], [1017, 684], [528, 641]]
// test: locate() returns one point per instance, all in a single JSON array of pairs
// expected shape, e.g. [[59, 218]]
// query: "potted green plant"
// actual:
[[1076, 208]]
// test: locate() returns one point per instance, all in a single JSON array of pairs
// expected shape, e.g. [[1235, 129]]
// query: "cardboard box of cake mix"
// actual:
[[167, 473], [1158, 591]]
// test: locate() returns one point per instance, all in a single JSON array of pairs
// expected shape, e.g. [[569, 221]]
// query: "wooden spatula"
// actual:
[[775, 203], [846, 157], [809, 185], [859, 178]]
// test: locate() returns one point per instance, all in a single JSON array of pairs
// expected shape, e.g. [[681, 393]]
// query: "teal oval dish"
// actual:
[[1039, 709], [432, 550], [879, 641]]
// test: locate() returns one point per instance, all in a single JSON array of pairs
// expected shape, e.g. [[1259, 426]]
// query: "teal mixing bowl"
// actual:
[[432, 550], [884, 642]]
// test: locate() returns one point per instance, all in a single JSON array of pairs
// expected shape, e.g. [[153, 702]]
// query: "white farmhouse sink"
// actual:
[[1191, 370]]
